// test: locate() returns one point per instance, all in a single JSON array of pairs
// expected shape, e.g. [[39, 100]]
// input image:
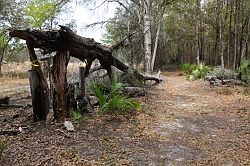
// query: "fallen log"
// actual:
[[12, 106], [85, 49], [134, 91], [9, 132], [4, 101]]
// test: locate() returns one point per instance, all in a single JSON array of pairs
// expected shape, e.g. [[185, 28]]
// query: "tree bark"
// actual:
[[236, 33], [40, 102], [1, 63], [147, 37], [39, 87], [244, 49], [59, 71], [229, 40], [79, 47], [197, 24]]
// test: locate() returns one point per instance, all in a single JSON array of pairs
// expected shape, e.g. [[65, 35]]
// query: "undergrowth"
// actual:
[[195, 71], [110, 99]]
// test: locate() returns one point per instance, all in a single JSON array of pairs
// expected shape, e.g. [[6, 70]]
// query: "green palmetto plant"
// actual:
[[111, 100], [187, 68], [200, 71]]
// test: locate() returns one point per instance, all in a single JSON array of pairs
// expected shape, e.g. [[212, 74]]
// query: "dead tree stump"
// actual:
[[39, 96], [39, 87], [59, 70]]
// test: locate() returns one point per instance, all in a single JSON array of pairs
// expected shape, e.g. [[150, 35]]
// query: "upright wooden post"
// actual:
[[59, 71], [40, 100], [38, 86]]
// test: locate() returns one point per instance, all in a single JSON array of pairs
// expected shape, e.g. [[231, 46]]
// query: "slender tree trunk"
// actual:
[[2, 51], [243, 38], [222, 27], [156, 43], [197, 43], [217, 48], [244, 47], [158, 33], [229, 40], [1, 62], [219, 26], [147, 37], [236, 33]]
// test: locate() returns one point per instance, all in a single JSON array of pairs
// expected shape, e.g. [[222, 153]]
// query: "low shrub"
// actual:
[[111, 100], [195, 71], [199, 72], [187, 68]]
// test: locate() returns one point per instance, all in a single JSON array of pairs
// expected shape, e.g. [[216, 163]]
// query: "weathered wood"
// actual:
[[134, 91], [40, 101], [4, 100], [11, 106], [39, 87], [85, 49], [9, 132], [59, 70]]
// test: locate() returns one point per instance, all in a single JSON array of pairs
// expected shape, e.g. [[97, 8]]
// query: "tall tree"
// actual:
[[197, 30]]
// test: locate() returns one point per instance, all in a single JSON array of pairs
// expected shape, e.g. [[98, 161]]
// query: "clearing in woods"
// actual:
[[182, 123]]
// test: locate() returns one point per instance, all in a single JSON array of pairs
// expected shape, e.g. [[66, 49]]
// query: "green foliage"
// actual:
[[244, 69], [77, 116], [112, 101], [187, 68], [38, 11], [195, 71], [200, 71], [3, 146], [3, 40]]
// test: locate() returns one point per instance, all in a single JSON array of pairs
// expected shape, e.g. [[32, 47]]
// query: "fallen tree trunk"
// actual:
[[134, 91], [85, 49], [4, 101], [11, 106]]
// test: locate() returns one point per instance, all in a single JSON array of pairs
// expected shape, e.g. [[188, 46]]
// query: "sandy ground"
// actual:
[[181, 123]]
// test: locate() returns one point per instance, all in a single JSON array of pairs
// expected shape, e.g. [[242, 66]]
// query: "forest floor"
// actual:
[[181, 123]]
